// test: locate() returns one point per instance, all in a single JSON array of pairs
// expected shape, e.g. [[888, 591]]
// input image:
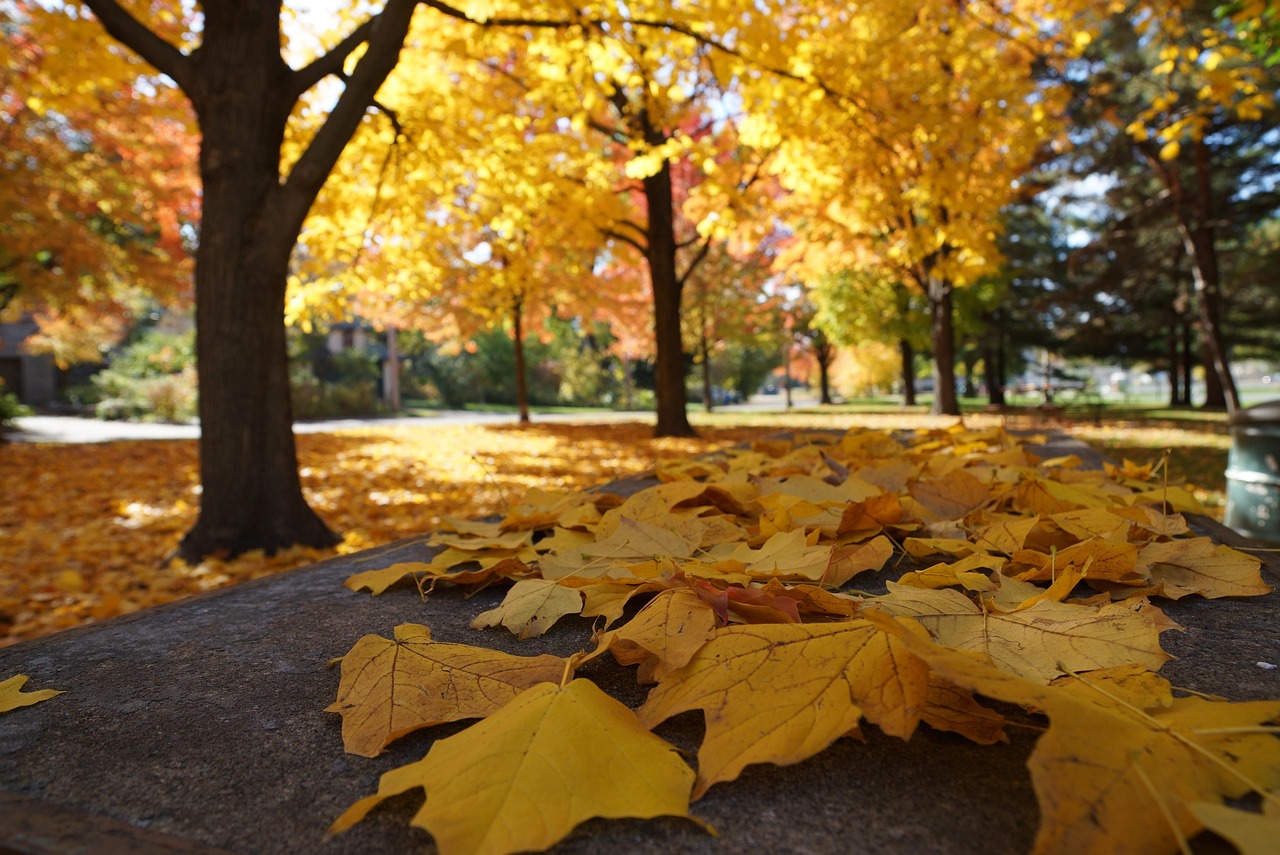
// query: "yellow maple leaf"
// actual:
[[786, 555], [531, 607], [848, 561], [952, 496], [12, 697], [1111, 775], [524, 777], [1251, 833], [1198, 566], [664, 635], [780, 693], [392, 687], [1039, 643]]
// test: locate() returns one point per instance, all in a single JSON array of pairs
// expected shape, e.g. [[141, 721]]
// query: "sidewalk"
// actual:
[[70, 429]]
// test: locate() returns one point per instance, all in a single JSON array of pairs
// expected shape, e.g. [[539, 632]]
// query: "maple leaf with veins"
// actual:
[[524, 777], [393, 687], [1112, 773], [780, 693]]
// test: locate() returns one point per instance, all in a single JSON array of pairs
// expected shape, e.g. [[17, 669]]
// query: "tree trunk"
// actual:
[[251, 496], [1188, 361], [993, 362], [1175, 362], [522, 380], [908, 372], [944, 349], [823, 354], [392, 373], [1215, 394], [1200, 243], [708, 404], [243, 93], [668, 374]]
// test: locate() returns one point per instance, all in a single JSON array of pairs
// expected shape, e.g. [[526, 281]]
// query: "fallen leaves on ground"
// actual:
[[87, 531], [1042, 598], [12, 697]]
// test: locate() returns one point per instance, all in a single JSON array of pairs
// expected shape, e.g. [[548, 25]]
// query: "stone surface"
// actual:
[[199, 727]]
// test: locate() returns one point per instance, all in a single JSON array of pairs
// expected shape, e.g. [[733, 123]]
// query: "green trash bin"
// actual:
[[1253, 472]]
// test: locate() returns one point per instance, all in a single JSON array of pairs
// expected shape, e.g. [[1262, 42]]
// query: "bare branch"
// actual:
[[332, 62], [131, 32], [630, 241]]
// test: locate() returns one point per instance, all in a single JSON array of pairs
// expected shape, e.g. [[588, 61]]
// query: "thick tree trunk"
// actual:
[[993, 363], [522, 379], [668, 373], [944, 349], [908, 355], [823, 354], [251, 496], [1215, 394], [243, 93]]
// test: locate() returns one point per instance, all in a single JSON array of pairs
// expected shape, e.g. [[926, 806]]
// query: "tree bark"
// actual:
[[908, 354], [1201, 246], [1175, 363], [668, 382], [251, 496], [704, 345], [522, 379], [993, 361], [823, 354], [1188, 362], [944, 349]]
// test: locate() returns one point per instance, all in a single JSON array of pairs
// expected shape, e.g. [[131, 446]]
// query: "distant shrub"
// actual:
[[153, 377], [10, 409], [313, 399]]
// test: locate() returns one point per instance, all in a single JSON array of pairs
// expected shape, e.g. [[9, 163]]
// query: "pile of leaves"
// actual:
[[982, 571]]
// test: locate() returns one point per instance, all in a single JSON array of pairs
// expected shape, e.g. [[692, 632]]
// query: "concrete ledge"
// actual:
[[199, 727]]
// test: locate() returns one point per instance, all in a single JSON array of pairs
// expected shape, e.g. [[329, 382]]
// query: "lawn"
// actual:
[[88, 532]]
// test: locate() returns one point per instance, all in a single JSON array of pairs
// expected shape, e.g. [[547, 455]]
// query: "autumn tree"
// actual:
[[910, 176], [97, 181]]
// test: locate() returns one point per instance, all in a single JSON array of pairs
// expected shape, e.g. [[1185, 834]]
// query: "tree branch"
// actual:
[[129, 31], [387, 31], [695, 261], [617, 235], [332, 62]]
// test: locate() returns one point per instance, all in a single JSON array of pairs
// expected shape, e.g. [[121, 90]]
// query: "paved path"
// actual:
[[73, 429]]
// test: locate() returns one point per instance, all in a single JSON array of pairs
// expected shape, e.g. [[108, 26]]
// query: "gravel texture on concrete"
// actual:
[[200, 727]]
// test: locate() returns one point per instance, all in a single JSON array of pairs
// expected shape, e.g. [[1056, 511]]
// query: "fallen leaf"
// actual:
[[531, 607], [393, 687], [524, 777], [1038, 643], [1111, 776], [1198, 566], [780, 693], [664, 635], [1251, 833], [952, 496], [12, 696]]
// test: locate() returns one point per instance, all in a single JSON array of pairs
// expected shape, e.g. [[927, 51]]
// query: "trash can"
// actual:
[[1253, 472]]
